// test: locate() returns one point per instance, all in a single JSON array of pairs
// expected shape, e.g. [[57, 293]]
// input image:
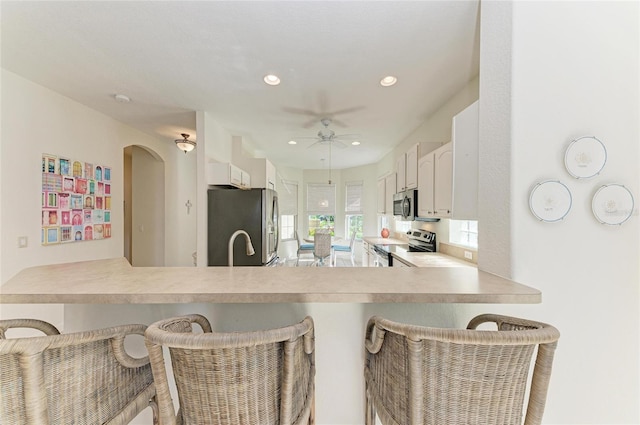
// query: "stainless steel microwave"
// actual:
[[405, 204]]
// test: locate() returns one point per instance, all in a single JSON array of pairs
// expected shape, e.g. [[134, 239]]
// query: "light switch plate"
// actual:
[[22, 241]]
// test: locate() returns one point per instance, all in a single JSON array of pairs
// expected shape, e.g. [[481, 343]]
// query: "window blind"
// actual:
[[353, 198], [321, 199], [288, 198]]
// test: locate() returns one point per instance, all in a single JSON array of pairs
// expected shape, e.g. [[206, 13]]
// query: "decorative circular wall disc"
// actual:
[[612, 204], [585, 157], [550, 201]]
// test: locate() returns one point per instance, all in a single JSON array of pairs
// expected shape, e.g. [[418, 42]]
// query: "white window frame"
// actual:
[[352, 205], [464, 233], [288, 209]]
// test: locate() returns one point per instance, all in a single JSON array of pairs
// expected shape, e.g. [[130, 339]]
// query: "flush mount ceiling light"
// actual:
[[271, 79], [355, 143], [388, 81], [292, 142], [185, 144]]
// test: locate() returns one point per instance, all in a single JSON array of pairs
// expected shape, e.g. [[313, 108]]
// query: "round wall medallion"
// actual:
[[585, 157], [550, 201], [612, 204]]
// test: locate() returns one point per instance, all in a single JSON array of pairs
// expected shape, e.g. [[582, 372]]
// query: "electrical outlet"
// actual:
[[468, 255], [22, 241]]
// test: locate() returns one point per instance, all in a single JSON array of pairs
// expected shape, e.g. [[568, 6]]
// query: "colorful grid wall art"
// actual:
[[76, 200]]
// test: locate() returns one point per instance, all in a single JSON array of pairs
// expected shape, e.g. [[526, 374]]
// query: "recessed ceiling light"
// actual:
[[388, 81], [292, 142], [271, 79], [355, 143], [121, 98]]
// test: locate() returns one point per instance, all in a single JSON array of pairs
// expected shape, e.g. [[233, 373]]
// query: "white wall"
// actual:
[[42, 121], [575, 73]]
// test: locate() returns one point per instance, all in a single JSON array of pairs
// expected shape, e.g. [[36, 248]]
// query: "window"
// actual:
[[321, 206], [464, 232], [353, 209], [288, 203], [321, 221]]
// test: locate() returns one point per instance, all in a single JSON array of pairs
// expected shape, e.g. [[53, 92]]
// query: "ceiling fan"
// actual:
[[323, 112], [327, 136]]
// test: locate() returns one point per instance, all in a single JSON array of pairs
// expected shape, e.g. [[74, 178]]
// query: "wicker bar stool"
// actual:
[[263, 377], [421, 375], [76, 378]]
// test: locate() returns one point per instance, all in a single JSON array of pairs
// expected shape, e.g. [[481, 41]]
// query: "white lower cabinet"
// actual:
[[398, 263], [369, 255]]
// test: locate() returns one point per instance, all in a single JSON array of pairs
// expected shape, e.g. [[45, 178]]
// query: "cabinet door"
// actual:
[[411, 168], [235, 175], [245, 179], [426, 174], [443, 188], [390, 190], [381, 196], [401, 165], [271, 175]]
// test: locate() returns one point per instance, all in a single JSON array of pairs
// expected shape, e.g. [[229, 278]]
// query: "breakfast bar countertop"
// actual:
[[115, 281]]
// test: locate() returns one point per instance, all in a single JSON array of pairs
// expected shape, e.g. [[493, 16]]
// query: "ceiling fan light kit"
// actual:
[[185, 144]]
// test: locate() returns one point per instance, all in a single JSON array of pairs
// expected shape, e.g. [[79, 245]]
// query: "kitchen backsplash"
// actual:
[[458, 252]]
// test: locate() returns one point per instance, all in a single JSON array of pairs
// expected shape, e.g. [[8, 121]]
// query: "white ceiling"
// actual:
[[176, 57]]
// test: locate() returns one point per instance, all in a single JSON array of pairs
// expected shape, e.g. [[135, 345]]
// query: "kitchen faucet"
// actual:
[[250, 250]]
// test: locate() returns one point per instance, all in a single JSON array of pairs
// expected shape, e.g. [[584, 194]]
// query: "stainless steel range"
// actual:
[[418, 241]]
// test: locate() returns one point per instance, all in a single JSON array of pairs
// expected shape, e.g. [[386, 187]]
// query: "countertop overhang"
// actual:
[[115, 281]]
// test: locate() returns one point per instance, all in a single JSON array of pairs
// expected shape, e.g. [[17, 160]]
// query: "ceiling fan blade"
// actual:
[[316, 144], [338, 144], [300, 111], [352, 136], [346, 110], [310, 123]]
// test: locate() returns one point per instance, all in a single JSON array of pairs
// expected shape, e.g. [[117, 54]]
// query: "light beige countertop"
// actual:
[[378, 240], [429, 259], [114, 281]]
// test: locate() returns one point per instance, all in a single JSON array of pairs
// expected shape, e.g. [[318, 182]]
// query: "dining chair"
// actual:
[[76, 378], [345, 249], [422, 375], [244, 378], [322, 246], [303, 248]]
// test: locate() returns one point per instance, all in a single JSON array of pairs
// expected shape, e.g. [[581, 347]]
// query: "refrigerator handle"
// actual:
[[276, 222]]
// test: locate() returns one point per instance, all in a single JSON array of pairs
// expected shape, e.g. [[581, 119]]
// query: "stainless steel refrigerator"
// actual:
[[254, 211]]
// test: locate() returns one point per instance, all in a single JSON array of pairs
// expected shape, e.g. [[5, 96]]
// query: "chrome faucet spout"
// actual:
[[250, 250]]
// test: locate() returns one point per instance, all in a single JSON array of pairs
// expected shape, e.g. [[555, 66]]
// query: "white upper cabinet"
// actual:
[[386, 190], [407, 169], [381, 205], [425, 186], [226, 174], [448, 176], [401, 165], [411, 170], [263, 173], [443, 180], [390, 190]]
